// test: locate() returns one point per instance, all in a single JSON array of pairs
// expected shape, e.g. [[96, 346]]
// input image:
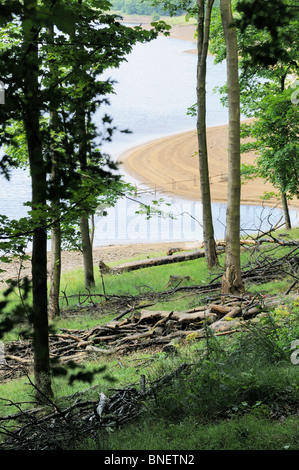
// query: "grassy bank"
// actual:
[[241, 393], [157, 278]]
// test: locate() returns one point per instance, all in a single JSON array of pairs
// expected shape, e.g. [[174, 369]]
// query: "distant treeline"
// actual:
[[141, 7], [145, 7]]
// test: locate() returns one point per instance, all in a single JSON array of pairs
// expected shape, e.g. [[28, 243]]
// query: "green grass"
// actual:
[[136, 282], [292, 234], [243, 395], [118, 372], [242, 433], [156, 279], [142, 281]]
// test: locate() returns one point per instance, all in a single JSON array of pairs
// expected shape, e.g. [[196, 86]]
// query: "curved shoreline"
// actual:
[[170, 165], [184, 31]]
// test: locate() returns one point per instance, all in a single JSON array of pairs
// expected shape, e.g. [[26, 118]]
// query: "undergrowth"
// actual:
[[241, 393]]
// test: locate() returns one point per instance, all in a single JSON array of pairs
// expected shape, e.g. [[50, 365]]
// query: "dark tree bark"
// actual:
[[84, 224], [286, 212], [31, 117], [55, 271]]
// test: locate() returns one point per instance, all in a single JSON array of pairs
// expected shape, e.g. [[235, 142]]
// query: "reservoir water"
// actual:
[[154, 88]]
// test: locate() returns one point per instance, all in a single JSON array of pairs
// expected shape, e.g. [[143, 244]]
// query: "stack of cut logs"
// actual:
[[144, 329]]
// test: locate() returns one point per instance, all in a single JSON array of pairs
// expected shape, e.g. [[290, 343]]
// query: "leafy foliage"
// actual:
[[148, 7], [277, 21], [246, 376], [86, 42], [275, 134]]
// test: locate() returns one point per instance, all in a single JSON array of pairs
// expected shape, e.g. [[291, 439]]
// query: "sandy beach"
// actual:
[[185, 31], [170, 165]]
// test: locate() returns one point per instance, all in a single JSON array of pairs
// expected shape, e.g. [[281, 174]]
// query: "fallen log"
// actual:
[[152, 317], [147, 263], [136, 336], [234, 312], [18, 359], [219, 309], [97, 350], [225, 325]]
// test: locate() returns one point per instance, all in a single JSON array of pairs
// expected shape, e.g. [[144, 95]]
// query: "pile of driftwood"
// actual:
[[142, 329]]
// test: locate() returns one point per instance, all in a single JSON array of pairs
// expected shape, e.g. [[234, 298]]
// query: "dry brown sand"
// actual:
[[185, 31], [170, 165]]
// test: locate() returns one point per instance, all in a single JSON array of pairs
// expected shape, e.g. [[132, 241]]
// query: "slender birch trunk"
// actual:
[[204, 21], [55, 268], [232, 279]]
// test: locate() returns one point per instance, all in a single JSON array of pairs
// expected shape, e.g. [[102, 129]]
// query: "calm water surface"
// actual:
[[153, 90]]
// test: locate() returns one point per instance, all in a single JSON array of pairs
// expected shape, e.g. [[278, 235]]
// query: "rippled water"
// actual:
[[153, 91]]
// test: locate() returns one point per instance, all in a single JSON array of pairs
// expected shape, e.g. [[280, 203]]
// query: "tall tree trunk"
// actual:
[[31, 116], [84, 225], [286, 212], [204, 20], [87, 253], [283, 195], [92, 230], [232, 279], [55, 269]]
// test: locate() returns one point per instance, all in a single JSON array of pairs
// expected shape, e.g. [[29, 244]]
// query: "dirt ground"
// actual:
[[107, 254]]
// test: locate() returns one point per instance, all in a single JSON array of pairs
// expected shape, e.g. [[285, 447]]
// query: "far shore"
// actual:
[[184, 31]]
